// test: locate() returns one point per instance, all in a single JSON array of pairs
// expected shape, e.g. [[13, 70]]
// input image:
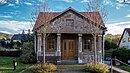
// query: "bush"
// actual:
[[10, 52], [98, 68], [122, 54], [27, 57], [45, 68], [110, 45], [27, 53], [27, 46]]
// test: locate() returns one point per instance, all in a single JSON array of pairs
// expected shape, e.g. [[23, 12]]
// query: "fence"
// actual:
[[117, 62]]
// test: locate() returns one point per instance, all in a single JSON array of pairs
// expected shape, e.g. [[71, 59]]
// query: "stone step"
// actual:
[[69, 61]]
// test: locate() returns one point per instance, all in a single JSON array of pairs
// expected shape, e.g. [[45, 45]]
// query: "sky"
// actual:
[[15, 15]]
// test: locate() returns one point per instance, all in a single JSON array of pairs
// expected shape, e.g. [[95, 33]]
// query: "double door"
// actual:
[[68, 49]]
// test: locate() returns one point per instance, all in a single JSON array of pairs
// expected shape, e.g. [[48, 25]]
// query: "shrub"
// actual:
[[98, 68], [27, 46], [27, 53], [45, 68], [10, 52], [122, 54], [27, 57]]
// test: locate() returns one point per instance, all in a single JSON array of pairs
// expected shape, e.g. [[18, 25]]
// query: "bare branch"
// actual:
[[96, 17]]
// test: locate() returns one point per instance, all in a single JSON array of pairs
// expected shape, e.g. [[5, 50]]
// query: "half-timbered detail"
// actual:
[[69, 37]]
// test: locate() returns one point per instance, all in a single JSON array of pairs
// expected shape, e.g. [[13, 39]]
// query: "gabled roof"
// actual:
[[55, 15], [21, 37], [128, 31], [41, 18]]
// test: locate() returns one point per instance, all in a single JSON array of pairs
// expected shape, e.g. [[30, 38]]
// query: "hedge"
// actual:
[[10, 52], [122, 54]]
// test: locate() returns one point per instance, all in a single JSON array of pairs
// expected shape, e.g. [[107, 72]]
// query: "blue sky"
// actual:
[[15, 16]]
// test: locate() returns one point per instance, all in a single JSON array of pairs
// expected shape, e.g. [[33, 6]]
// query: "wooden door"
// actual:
[[68, 49]]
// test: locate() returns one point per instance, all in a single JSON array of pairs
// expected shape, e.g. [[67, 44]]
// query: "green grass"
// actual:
[[6, 65], [126, 68], [2, 48]]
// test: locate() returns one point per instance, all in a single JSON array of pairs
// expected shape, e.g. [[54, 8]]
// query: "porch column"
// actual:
[[58, 53], [39, 46], [35, 44], [103, 52], [80, 54], [99, 54]]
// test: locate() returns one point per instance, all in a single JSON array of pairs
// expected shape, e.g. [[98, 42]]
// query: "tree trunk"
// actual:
[[44, 49], [95, 51]]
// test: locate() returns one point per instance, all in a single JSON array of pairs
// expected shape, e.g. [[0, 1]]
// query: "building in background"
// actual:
[[125, 39]]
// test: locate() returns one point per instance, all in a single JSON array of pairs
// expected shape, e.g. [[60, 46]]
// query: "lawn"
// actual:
[[126, 68], [6, 65]]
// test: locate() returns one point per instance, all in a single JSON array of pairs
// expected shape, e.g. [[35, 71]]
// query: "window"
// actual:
[[51, 44], [69, 22], [128, 39], [86, 44], [123, 40]]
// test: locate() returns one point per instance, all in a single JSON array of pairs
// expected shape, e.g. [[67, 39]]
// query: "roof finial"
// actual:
[[70, 7]]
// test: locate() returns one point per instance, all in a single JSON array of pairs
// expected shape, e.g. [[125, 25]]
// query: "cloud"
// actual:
[[117, 8], [5, 16], [82, 1], [119, 5], [27, 3], [68, 1], [122, 1], [128, 15], [5, 32], [117, 27], [3, 1], [17, 2], [107, 2], [15, 26], [116, 5], [11, 5]]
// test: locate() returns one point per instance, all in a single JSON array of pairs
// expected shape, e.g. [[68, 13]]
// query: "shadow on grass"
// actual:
[[6, 69], [11, 70]]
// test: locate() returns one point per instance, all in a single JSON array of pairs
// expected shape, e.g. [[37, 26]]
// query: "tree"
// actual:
[[110, 45], [43, 22], [107, 44], [94, 7]]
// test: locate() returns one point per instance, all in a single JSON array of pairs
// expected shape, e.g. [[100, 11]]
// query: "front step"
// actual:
[[69, 61]]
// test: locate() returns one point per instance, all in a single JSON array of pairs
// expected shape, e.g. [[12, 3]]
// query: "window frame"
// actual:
[[70, 22], [88, 43], [123, 40], [49, 43]]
